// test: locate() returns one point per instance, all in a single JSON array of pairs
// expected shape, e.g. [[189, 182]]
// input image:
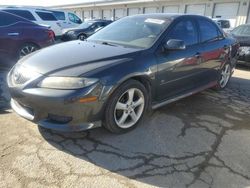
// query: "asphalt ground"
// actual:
[[200, 141]]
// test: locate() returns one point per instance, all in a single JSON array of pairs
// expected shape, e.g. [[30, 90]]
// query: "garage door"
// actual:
[[119, 13], [96, 14], [196, 9], [148, 10], [86, 14], [133, 11], [171, 9], [226, 11], [107, 14]]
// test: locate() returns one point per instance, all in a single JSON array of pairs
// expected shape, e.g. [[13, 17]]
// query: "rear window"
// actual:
[[46, 16], [208, 30], [22, 13], [7, 19], [59, 15], [225, 24]]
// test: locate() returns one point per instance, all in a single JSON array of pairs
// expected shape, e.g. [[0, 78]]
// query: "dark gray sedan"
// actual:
[[113, 78]]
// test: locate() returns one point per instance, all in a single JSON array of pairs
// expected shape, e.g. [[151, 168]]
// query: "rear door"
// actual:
[[9, 38], [215, 48], [178, 70]]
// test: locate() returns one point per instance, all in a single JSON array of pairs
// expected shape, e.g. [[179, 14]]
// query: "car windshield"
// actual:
[[243, 30], [134, 31], [85, 25]]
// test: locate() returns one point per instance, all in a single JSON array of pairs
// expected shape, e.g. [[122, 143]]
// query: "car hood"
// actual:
[[243, 40], [76, 58]]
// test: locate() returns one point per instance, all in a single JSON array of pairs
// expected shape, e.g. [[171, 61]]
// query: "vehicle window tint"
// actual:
[[73, 18], [77, 20], [184, 30], [208, 30], [22, 13], [46, 16], [59, 15], [7, 19], [225, 24], [243, 30]]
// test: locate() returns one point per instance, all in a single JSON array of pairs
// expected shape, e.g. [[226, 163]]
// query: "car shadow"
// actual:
[[173, 144]]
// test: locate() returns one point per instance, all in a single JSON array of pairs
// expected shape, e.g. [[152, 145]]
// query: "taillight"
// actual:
[[51, 34]]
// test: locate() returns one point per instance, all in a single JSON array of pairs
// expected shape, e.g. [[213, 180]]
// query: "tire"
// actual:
[[27, 49], [82, 37], [115, 112], [226, 70]]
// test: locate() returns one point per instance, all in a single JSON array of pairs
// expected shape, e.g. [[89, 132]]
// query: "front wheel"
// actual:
[[225, 75], [82, 37], [126, 107]]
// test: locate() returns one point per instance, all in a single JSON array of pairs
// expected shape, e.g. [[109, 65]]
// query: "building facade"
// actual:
[[235, 10]]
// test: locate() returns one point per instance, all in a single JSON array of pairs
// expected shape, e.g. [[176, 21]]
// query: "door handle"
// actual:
[[13, 34]]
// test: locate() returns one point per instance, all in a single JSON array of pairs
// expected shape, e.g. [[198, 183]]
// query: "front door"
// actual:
[[178, 70]]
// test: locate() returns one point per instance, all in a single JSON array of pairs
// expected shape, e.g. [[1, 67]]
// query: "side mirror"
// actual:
[[174, 44]]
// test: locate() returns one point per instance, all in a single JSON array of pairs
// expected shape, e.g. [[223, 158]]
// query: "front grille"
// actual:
[[59, 119]]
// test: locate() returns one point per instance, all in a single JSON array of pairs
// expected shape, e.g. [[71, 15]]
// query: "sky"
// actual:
[[42, 2]]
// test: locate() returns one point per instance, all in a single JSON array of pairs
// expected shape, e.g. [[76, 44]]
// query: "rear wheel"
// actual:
[[126, 107], [27, 49]]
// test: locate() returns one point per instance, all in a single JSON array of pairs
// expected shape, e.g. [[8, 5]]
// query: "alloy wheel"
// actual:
[[27, 50], [225, 75], [82, 37], [129, 108]]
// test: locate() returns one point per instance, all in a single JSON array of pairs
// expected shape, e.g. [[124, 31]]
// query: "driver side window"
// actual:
[[184, 30]]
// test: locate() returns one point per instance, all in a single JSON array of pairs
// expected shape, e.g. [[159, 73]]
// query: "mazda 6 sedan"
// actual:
[[135, 64]]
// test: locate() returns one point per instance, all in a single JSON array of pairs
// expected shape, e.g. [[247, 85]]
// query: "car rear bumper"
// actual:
[[60, 111]]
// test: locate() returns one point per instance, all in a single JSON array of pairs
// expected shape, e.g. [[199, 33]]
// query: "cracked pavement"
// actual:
[[200, 141]]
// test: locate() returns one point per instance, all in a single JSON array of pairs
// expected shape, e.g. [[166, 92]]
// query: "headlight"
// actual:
[[66, 82]]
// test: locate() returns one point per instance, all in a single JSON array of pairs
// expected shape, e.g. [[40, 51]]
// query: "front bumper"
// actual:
[[58, 109]]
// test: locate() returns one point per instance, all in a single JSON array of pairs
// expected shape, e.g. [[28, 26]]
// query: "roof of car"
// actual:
[[26, 8], [168, 15]]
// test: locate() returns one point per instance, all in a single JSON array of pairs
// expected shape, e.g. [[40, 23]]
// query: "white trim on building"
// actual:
[[235, 10]]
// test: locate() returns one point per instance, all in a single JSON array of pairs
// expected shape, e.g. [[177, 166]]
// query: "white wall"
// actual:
[[241, 17]]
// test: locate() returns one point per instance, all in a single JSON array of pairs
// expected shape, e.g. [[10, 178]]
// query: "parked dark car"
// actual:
[[19, 37], [112, 78], [84, 30], [242, 34]]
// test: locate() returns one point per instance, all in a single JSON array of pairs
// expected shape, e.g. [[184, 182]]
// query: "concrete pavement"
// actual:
[[200, 141]]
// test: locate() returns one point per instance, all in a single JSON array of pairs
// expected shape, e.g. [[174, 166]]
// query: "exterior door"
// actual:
[[215, 49], [149, 10], [227, 11], [9, 38], [198, 9], [171, 9], [178, 70], [119, 13], [107, 14]]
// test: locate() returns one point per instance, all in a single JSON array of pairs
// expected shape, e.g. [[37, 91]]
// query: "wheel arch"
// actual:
[[143, 79]]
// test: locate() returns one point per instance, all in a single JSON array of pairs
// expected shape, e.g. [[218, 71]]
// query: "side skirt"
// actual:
[[163, 103]]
